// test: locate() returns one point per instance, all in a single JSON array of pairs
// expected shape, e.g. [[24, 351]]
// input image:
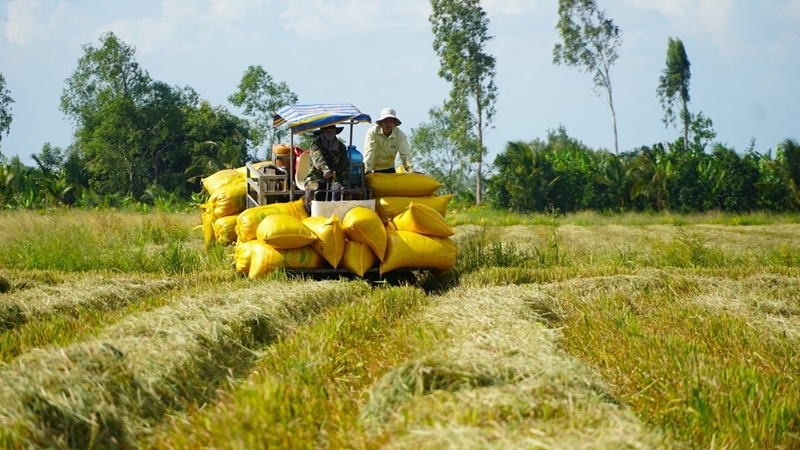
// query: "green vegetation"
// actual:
[[589, 42], [636, 330], [564, 175], [83, 240], [460, 35]]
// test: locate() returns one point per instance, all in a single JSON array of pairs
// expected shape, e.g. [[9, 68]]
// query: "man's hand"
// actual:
[[328, 174]]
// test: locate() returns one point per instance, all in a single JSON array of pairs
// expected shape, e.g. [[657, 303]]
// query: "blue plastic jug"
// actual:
[[356, 167]]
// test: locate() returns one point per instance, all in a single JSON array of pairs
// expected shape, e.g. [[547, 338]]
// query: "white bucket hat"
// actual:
[[387, 113]]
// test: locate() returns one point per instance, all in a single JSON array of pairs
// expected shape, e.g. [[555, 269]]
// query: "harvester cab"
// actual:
[[283, 180]]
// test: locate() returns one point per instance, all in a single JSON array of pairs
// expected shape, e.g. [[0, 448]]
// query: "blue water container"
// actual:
[[356, 166]]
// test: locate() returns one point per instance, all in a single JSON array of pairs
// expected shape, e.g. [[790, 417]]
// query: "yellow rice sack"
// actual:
[[358, 257], [221, 178], [241, 256], [225, 230], [388, 207], [248, 221], [401, 184], [284, 231], [302, 258], [263, 259], [228, 200], [363, 225], [207, 217], [422, 219], [406, 250], [330, 237]]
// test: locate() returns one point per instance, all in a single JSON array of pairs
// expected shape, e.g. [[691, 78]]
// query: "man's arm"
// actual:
[[405, 153], [369, 150]]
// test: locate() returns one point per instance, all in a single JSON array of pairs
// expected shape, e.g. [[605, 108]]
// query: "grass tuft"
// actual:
[[112, 390]]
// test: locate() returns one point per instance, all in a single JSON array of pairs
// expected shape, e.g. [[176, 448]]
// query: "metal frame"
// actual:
[[263, 188]]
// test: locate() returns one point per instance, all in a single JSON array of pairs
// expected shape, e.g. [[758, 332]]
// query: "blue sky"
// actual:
[[745, 57]]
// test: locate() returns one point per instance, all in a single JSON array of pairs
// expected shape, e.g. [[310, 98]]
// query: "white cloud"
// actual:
[[320, 19], [188, 24], [35, 21], [712, 17], [24, 23], [495, 7], [172, 9], [722, 22], [786, 48], [147, 35], [790, 10], [234, 9]]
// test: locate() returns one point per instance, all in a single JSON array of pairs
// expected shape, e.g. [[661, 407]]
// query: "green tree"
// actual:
[[590, 44], [461, 32], [5, 108], [787, 167], [129, 129], [6, 176], [438, 155], [261, 97], [673, 85], [219, 141], [101, 98], [701, 130], [651, 172], [524, 178]]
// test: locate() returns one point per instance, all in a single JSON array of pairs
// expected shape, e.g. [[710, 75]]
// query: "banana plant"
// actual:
[[652, 174], [711, 178], [786, 168], [615, 172]]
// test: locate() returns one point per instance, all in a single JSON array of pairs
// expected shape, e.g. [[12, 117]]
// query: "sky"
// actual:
[[744, 54]]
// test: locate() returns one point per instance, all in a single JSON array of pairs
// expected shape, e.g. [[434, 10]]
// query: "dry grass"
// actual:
[[498, 380], [101, 291], [694, 246], [707, 358], [308, 389], [634, 331], [110, 390]]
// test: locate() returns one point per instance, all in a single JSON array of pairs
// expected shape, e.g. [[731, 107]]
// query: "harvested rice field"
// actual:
[[119, 330]]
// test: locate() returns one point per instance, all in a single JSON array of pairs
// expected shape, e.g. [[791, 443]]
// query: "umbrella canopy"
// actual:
[[302, 118]]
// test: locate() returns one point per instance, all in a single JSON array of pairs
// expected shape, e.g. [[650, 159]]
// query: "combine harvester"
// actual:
[[384, 227]]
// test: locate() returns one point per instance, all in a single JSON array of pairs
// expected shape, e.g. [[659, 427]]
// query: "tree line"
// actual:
[[137, 139], [560, 173], [141, 140]]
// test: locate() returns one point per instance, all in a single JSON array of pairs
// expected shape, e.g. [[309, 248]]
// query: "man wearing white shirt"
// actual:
[[382, 144]]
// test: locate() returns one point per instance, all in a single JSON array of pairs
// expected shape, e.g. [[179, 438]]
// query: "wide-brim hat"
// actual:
[[328, 127], [387, 113]]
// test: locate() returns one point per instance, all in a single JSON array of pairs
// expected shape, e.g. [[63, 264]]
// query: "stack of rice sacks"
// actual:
[[282, 235], [227, 191], [417, 235], [276, 235]]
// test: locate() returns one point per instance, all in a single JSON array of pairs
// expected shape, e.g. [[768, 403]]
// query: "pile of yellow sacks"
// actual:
[[283, 235], [227, 190], [407, 230], [393, 193], [227, 198]]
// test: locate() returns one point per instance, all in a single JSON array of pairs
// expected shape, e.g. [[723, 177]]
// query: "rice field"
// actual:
[[118, 330]]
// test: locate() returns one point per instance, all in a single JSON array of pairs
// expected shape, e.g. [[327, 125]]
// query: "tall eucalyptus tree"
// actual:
[[461, 32], [590, 42], [673, 86]]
